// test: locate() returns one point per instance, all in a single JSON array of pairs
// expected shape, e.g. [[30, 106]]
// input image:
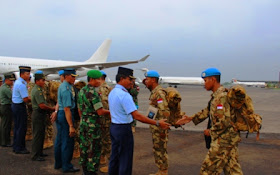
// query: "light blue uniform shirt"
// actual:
[[19, 90], [65, 97], [121, 105]]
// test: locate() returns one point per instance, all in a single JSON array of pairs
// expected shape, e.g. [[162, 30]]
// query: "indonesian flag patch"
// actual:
[[159, 100], [219, 106]]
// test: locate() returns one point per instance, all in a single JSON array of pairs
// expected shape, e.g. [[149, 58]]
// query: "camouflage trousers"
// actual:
[[29, 124], [105, 142], [90, 152], [77, 135], [220, 159], [49, 132], [160, 139]]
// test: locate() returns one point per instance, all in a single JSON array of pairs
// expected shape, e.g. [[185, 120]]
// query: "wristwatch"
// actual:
[[157, 123]]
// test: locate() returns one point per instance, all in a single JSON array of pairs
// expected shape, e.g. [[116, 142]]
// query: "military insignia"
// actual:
[[203, 74], [219, 106], [160, 100]]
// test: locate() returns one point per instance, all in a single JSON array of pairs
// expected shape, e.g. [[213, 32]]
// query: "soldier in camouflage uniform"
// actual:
[[104, 91], [76, 88], [28, 135], [90, 110], [160, 136], [134, 91], [223, 152]]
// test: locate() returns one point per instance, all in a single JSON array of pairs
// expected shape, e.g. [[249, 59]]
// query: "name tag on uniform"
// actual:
[[152, 112]]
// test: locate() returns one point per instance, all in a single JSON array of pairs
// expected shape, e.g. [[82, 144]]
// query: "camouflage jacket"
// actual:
[[221, 119], [158, 100], [89, 101], [134, 93], [104, 91]]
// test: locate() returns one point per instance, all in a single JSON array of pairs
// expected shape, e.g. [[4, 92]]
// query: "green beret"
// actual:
[[94, 74]]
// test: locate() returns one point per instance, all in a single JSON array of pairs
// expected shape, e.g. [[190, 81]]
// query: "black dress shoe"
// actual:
[[22, 152], [6, 145], [39, 159], [72, 170], [43, 155]]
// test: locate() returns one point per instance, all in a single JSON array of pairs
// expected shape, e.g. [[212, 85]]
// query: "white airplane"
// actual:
[[175, 81], [51, 67], [249, 83]]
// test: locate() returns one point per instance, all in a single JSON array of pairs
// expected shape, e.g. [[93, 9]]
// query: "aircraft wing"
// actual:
[[88, 65]]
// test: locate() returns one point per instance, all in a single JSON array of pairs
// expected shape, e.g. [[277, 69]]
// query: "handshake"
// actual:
[[185, 119]]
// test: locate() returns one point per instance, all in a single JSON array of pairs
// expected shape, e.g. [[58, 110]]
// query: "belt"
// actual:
[[19, 103], [121, 123]]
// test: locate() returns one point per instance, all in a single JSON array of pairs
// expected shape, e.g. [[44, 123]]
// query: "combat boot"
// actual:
[[104, 169], [161, 172], [103, 160]]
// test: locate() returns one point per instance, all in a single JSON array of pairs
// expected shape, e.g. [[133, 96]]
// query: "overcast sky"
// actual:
[[183, 37]]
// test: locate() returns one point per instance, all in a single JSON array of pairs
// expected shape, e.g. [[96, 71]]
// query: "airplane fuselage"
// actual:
[[181, 80], [8, 64]]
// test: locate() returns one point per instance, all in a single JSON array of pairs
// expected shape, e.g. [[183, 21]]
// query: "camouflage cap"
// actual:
[[10, 76], [94, 74]]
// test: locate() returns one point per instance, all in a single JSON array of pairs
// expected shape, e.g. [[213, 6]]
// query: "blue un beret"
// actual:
[[61, 72], [103, 73], [210, 72], [38, 72], [152, 73]]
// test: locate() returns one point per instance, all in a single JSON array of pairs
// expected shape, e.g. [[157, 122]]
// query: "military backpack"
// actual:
[[244, 119], [174, 98]]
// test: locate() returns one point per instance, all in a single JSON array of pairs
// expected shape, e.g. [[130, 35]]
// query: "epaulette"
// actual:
[[124, 90]]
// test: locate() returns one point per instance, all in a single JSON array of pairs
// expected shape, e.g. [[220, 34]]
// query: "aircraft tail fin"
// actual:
[[101, 54], [144, 70]]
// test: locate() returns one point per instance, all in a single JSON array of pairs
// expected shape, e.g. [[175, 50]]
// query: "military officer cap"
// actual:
[[126, 71], [10, 76], [61, 72], [210, 72], [94, 74], [39, 75], [24, 68], [70, 71], [152, 73]]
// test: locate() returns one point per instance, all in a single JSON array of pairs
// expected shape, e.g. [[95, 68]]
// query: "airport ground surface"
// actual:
[[186, 149]]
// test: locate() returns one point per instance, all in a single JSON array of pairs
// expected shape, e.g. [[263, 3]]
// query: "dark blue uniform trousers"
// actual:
[[121, 159], [20, 126], [64, 145]]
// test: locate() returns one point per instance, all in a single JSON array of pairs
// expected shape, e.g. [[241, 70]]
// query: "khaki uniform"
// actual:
[[104, 91], [6, 116], [159, 135], [223, 152], [38, 121]]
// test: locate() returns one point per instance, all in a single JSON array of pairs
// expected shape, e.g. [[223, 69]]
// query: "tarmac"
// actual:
[[186, 148]]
